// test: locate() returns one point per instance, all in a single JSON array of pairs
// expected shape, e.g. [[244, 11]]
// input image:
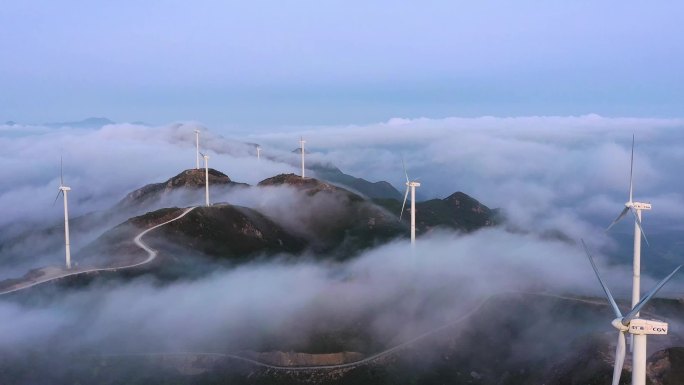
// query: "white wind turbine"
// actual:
[[301, 145], [206, 179], [410, 185], [258, 150], [63, 190], [197, 153], [639, 328], [638, 343]]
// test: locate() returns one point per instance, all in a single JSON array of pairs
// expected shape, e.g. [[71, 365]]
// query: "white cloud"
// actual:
[[538, 169], [230, 310], [527, 165]]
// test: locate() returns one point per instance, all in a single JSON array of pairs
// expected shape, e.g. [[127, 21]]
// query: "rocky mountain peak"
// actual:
[[188, 179], [463, 201], [196, 178], [298, 181]]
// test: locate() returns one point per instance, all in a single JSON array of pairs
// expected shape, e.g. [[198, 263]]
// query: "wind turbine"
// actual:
[[635, 208], [197, 153], [206, 179], [258, 150], [410, 185], [639, 328], [63, 190], [301, 145]]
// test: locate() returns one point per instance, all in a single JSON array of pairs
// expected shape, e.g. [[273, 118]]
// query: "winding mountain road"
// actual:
[[52, 273], [348, 365], [369, 359]]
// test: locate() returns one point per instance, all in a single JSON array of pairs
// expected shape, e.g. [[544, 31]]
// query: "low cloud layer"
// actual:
[[567, 173], [547, 173], [396, 292]]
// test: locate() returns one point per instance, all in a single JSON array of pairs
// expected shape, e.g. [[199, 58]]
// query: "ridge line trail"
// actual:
[[58, 274]]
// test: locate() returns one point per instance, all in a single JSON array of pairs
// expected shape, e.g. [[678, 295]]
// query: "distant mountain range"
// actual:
[[373, 190], [457, 211], [92, 122], [85, 123]]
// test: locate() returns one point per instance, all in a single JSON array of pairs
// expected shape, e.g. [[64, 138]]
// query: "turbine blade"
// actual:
[[61, 174], [403, 205], [632, 313], [631, 169], [616, 310], [57, 197], [638, 222], [405, 172], [619, 358], [622, 215]]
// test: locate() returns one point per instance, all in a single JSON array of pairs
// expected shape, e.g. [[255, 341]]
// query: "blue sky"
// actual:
[[275, 63]]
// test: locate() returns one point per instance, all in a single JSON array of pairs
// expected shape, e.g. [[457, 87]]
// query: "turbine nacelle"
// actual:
[[640, 326], [638, 205], [647, 326], [64, 188], [413, 184]]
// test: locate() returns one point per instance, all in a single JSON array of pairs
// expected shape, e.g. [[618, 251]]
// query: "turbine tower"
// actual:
[[258, 150], [206, 179], [638, 327], [63, 190], [639, 342], [301, 145], [197, 153], [410, 185]]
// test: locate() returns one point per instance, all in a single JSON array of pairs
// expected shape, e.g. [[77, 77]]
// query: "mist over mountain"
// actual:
[[450, 202], [326, 219], [191, 181], [289, 271], [381, 189], [457, 211]]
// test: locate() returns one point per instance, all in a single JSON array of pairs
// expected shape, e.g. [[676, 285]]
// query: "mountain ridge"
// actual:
[[91, 122]]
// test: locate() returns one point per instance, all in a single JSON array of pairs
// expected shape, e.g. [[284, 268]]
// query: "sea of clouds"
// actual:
[[567, 174]]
